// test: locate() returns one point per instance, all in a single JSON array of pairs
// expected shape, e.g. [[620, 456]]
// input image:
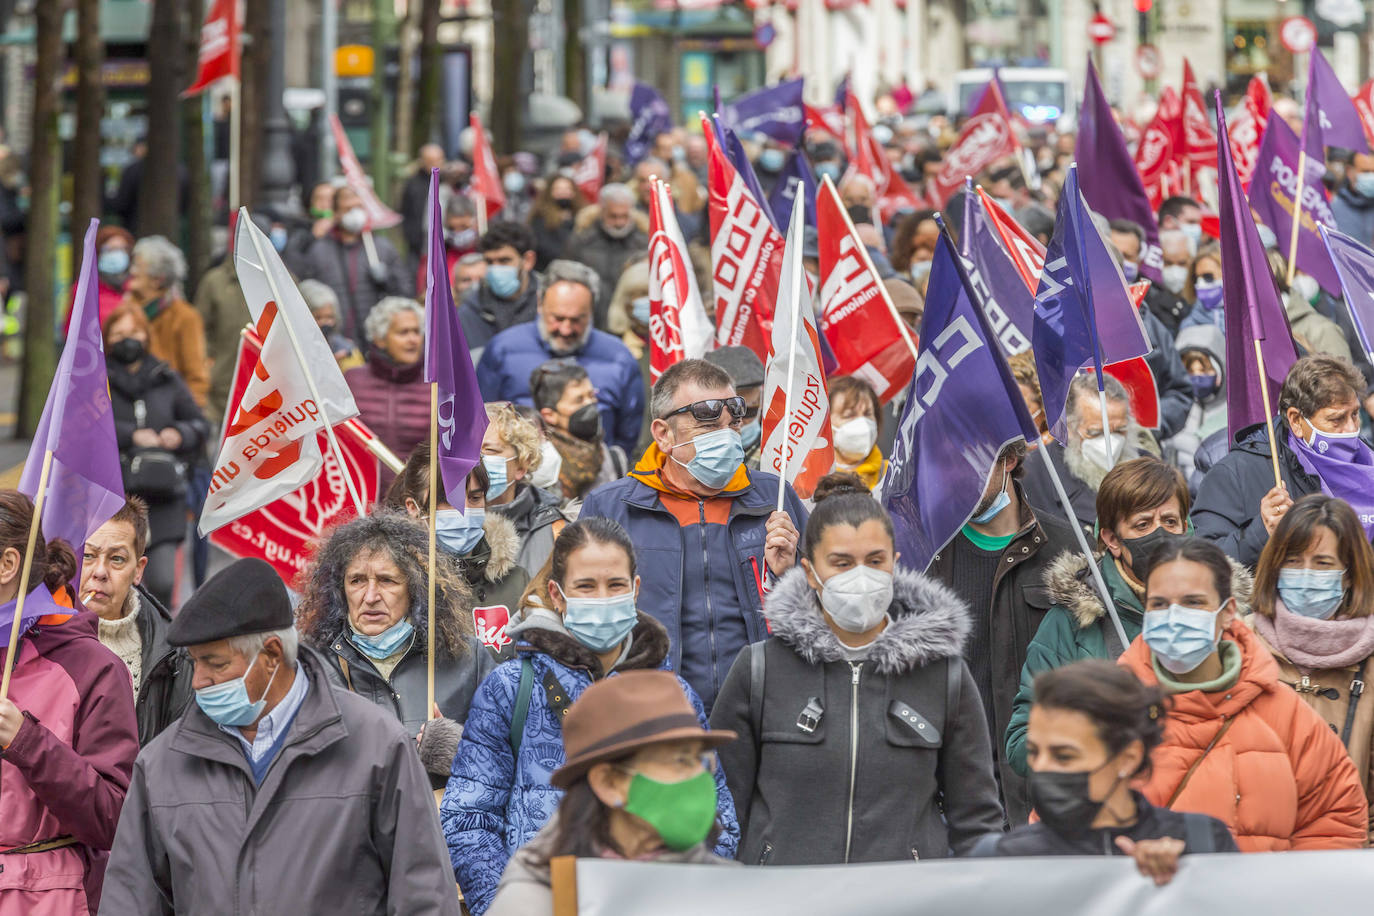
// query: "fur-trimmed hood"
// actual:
[[504, 543], [1073, 588], [929, 622]]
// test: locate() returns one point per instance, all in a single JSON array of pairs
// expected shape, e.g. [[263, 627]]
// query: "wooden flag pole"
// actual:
[[25, 569], [434, 484], [1268, 415], [1293, 236], [479, 207]]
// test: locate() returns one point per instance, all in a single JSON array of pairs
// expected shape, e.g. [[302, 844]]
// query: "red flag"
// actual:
[[678, 326], [590, 171], [219, 46], [486, 179], [1199, 139], [986, 138], [829, 119], [1364, 104], [379, 215], [855, 317], [282, 532], [746, 256], [1155, 154], [893, 194], [1246, 128]]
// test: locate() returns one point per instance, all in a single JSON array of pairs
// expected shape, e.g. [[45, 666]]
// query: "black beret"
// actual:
[[244, 598], [741, 363]]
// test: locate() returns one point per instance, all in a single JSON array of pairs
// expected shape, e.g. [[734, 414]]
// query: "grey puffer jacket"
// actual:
[[876, 760]]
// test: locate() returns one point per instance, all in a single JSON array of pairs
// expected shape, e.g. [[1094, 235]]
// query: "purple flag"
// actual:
[[774, 111], [1272, 190], [1083, 312], [1336, 115], [734, 151], [1111, 185], [85, 486], [796, 173], [649, 117], [1354, 264], [962, 393], [1253, 309], [1009, 306], [842, 91], [462, 417]]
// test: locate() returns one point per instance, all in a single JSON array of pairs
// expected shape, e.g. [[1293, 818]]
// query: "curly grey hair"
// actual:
[[161, 259], [564, 271], [323, 614], [378, 321]]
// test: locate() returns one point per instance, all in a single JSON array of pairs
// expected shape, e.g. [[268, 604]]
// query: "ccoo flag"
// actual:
[[85, 486], [462, 418], [962, 407], [678, 326]]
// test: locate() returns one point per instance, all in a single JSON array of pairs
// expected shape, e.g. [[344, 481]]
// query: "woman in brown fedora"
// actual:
[[638, 785]]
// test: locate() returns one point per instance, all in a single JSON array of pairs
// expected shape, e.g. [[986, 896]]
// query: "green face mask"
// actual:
[[321, 214], [681, 812]]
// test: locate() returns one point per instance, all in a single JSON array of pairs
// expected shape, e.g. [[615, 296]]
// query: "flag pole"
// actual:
[[434, 483], [1268, 416], [1297, 218], [882, 288], [1106, 427], [309, 377], [235, 140], [24, 571], [479, 206], [793, 238]]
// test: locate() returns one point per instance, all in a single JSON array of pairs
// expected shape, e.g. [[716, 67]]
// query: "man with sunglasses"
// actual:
[[704, 526]]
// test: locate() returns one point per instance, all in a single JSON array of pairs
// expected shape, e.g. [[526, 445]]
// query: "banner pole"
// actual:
[[1297, 222], [24, 571], [434, 484], [882, 289], [479, 206], [235, 140], [1268, 414], [794, 237], [1106, 426]]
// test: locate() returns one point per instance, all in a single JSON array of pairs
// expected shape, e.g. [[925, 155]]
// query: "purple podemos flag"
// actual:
[[962, 407], [85, 486], [1336, 113], [1250, 298], [462, 417], [1355, 266], [1272, 191]]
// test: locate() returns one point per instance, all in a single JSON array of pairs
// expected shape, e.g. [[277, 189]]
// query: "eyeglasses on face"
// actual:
[[708, 411]]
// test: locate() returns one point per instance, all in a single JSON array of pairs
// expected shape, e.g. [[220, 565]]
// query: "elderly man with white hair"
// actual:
[[609, 243], [156, 276], [390, 390], [563, 330]]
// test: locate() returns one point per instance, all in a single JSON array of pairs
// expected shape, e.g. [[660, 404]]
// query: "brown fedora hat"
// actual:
[[623, 713]]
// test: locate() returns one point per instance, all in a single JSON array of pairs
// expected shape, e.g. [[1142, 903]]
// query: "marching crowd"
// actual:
[[697, 671]]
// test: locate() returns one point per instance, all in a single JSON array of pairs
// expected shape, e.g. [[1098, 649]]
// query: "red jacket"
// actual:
[[394, 403], [66, 771]]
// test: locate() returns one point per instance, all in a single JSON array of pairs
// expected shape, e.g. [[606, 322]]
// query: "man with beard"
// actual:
[[609, 243], [562, 329], [997, 564], [1090, 451], [566, 400]]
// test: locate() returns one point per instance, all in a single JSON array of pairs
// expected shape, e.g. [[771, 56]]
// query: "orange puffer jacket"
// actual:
[[1279, 778]]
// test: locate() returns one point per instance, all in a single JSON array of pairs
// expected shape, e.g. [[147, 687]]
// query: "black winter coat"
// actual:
[[1020, 601], [165, 687], [1228, 499], [1171, 379], [884, 759], [608, 257], [153, 396], [1169, 308]]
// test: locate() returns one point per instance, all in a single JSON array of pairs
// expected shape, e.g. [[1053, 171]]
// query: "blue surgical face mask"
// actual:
[[828, 168], [771, 160], [1194, 233], [497, 481], [719, 455], [1209, 295], [1002, 500], [228, 704], [459, 533], [1181, 637], [114, 262], [1204, 386], [920, 270], [1364, 184], [751, 434], [599, 623], [278, 237], [503, 280], [386, 643], [513, 182], [1312, 592], [1130, 270], [639, 308]]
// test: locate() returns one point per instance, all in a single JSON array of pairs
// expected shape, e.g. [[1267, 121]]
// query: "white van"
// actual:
[[1039, 94]]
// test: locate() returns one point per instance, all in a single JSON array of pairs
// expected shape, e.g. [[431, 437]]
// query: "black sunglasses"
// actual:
[[708, 411]]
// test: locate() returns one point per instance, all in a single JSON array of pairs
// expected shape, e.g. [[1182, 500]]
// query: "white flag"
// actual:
[[678, 326]]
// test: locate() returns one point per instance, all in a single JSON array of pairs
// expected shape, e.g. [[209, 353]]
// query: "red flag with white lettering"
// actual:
[[829, 119], [589, 173], [218, 56], [1199, 139], [893, 194], [987, 137], [678, 326], [1156, 155], [1364, 104], [1245, 128], [379, 215], [746, 256], [486, 178], [855, 316]]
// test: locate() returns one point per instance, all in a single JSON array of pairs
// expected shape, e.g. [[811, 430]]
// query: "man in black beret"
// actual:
[[273, 792]]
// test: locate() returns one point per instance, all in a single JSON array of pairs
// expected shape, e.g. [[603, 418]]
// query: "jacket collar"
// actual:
[[1259, 673], [495, 554], [648, 646], [929, 622], [1072, 587], [384, 367]]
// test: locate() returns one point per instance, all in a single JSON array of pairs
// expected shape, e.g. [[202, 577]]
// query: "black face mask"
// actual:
[[1146, 544], [859, 214], [585, 423], [328, 330], [563, 203], [1063, 802], [127, 351]]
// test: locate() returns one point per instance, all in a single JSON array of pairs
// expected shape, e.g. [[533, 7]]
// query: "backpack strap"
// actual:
[[757, 673], [522, 705], [1216, 739], [1197, 833]]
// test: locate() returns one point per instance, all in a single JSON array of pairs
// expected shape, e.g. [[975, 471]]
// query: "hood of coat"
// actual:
[[1071, 587], [1259, 674], [1208, 338], [929, 622], [504, 542], [150, 373], [543, 630]]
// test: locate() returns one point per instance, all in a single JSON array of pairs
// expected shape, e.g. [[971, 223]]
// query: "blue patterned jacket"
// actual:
[[495, 803]]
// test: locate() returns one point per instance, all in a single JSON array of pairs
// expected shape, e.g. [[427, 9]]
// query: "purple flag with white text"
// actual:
[[1272, 191], [649, 117], [962, 407], [1250, 297], [1111, 183], [734, 151], [1336, 114], [85, 485], [774, 111], [1008, 304], [1355, 266], [796, 175], [462, 417]]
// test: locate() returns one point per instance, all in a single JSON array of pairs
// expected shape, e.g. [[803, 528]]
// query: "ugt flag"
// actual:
[[797, 443], [85, 486], [962, 407], [893, 194], [774, 111], [1159, 150], [985, 138], [1276, 185], [462, 419], [1083, 311], [1199, 140], [678, 326], [1247, 128], [1355, 265], [379, 215], [649, 117], [218, 56], [1364, 104]]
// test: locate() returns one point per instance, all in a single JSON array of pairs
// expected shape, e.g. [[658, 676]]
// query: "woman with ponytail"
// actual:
[[68, 736]]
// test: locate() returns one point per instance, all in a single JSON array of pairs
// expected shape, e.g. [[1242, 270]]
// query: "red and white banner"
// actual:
[[589, 173], [855, 316], [1199, 139], [1364, 104], [797, 442], [486, 178], [678, 326], [219, 46], [987, 137], [379, 215], [1245, 128], [1157, 154], [829, 118], [746, 256], [893, 194], [490, 622]]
